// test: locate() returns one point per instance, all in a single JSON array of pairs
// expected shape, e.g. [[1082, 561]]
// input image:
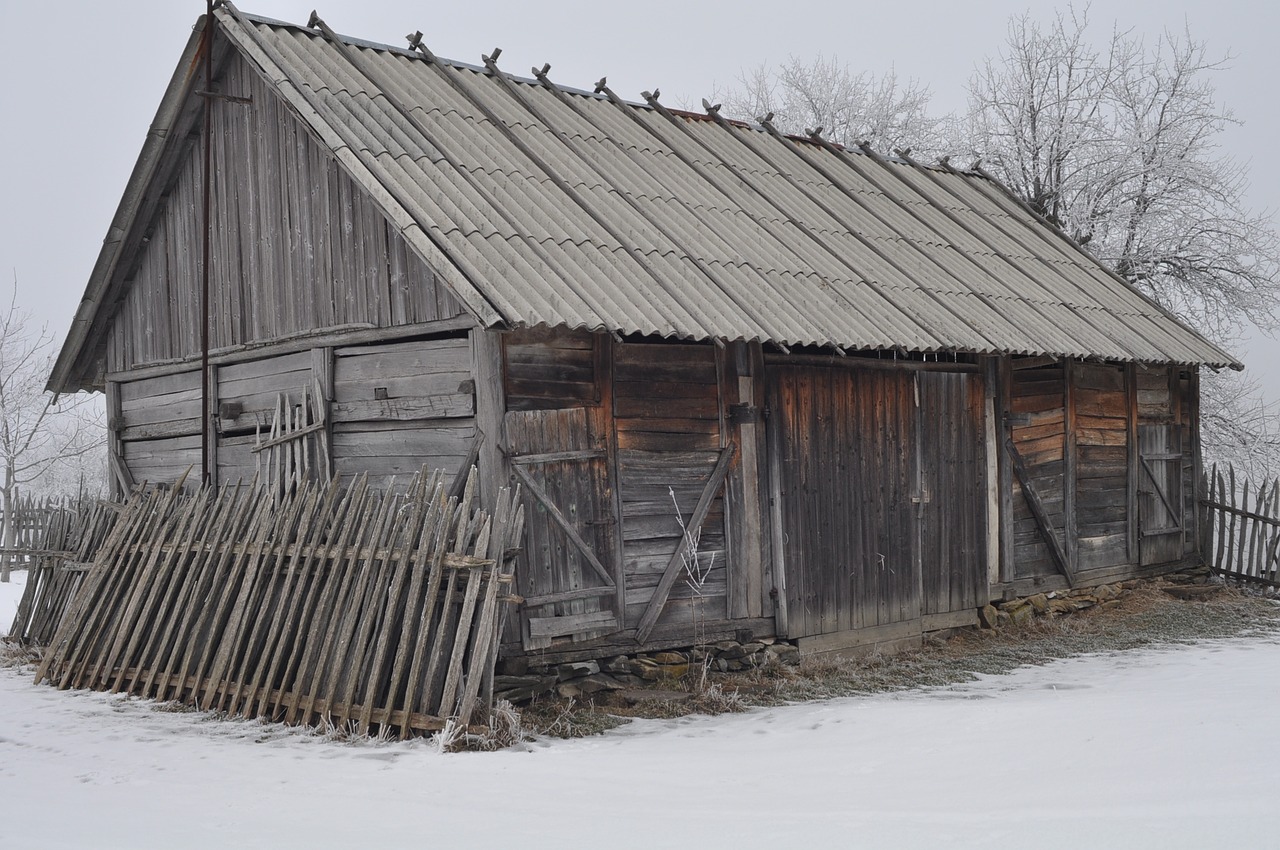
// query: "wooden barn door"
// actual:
[[567, 580], [843, 445], [882, 482], [953, 494], [1160, 497], [557, 440]]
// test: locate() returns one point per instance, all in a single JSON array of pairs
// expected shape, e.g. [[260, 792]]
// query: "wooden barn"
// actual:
[[876, 393]]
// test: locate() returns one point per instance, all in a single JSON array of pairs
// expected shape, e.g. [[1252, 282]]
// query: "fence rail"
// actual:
[[1241, 525]]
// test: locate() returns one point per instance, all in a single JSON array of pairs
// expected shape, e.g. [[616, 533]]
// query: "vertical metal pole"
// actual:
[[206, 415]]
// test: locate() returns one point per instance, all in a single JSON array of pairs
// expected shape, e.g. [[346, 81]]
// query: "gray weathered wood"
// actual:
[[1037, 507], [659, 599], [572, 533]]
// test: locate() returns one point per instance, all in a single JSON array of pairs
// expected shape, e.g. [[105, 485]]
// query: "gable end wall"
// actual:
[[296, 247]]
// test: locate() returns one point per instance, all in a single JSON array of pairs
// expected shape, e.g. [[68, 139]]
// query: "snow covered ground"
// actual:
[[1166, 748]]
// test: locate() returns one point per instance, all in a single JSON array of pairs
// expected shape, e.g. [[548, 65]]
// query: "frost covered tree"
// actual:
[[1120, 146], [40, 434], [849, 107]]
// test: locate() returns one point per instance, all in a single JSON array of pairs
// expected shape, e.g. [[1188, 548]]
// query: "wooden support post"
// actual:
[[605, 435], [1131, 395], [1192, 529], [777, 552], [322, 378], [1071, 463], [486, 367], [991, 435], [210, 424], [1004, 406], [746, 533], [121, 480]]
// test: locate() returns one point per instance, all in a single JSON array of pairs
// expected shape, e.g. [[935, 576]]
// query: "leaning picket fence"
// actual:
[[335, 604], [58, 539], [1240, 524]]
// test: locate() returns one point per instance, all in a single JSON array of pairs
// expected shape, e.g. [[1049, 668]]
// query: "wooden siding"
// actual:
[[399, 406], [297, 246], [883, 490], [847, 475], [1037, 407], [558, 434], [633, 423], [393, 408], [1168, 464], [157, 426], [667, 410], [548, 369], [552, 565], [1100, 406], [1088, 443]]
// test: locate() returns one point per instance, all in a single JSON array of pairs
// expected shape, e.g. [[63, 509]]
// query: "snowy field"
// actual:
[[1164, 748]]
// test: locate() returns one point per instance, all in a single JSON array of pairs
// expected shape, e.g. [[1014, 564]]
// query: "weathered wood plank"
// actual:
[[659, 599]]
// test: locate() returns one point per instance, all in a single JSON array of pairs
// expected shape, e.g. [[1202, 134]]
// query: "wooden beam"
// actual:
[[554, 457], [355, 334], [747, 557], [991, 451], [571, 623], [1038, 511], [1071, 461], [663, 590], [460, 477], [855, 362], [1003, 406], [1132, 539]]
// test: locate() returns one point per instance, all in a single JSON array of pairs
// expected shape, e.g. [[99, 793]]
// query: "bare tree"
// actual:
[[1237, 427], [39, 431], [1120, 147], [848, 107]]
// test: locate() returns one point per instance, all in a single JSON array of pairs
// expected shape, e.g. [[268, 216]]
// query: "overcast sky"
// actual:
[[80, 82]]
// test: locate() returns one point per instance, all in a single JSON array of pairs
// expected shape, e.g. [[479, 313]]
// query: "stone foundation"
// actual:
[[522, 679]]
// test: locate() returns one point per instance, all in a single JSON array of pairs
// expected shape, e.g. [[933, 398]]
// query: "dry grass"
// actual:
[[14, 654], [566, 718], [1145, 616]]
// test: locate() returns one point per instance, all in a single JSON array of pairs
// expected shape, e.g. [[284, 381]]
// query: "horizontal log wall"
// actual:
[[1084, 444], [1038, 421], [399, 406], [394, 407], [1102, 466], [296, 245]]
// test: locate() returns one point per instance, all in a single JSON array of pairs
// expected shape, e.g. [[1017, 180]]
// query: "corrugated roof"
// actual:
[[544, 205]]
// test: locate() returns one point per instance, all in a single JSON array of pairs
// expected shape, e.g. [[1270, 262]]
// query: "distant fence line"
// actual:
[[54, 541], [1240, 527]]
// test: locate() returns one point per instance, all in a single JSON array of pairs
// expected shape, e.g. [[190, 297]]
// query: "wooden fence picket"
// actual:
[[318, 602], [1242, 534]]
